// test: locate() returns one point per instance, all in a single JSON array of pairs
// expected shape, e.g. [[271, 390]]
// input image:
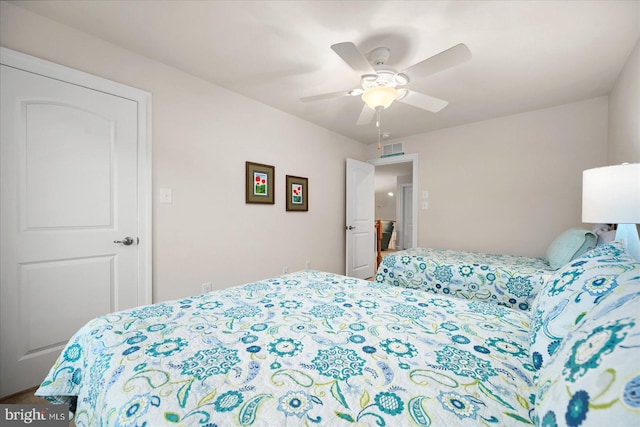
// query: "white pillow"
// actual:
[[594, 377], [571, 292]]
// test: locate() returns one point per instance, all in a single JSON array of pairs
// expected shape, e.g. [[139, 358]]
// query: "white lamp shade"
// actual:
[[611, 194], [379, 96]]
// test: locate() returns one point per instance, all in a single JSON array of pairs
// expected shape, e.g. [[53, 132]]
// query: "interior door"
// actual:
[[360, 219], [68, 194]]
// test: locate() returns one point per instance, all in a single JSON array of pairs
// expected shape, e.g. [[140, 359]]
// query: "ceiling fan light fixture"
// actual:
[[386, 78], [368, 81], [379, 97], [401, 79]]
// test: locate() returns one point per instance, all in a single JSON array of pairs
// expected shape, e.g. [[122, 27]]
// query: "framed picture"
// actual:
[[297, 193], [260, 183]]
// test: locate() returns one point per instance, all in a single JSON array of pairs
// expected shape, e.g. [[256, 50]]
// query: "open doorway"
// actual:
[[396, 195]]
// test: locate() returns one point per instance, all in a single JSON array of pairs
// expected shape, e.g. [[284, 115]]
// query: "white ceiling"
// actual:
[[526, 54]]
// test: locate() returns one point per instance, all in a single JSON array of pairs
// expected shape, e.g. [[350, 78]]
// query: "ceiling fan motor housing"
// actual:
[[380, 55]]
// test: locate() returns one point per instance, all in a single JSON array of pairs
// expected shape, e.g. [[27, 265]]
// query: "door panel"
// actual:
[[67, 157], [69, 190], [61, 283], [360, 212]]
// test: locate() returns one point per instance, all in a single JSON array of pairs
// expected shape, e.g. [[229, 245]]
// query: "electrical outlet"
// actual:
[[285, 270], [307, 264], [206, 287]]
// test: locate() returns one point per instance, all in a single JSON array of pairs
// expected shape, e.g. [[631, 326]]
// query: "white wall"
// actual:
[[508, 185], [624, 113], [521, 184], [202, 136]]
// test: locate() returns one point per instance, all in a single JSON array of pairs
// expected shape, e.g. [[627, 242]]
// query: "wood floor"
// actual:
[[24, 397]]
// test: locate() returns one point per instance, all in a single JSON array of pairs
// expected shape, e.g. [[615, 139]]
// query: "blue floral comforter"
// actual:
[[304, 349], [508, 280]]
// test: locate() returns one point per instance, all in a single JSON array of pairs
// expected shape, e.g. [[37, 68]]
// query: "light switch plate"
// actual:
[[425, 194], [165, 195], [425, 204]]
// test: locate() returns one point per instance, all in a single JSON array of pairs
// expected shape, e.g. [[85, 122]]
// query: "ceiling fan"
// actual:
[[380, 85]]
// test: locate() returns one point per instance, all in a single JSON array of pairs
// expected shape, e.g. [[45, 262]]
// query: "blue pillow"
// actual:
[[570, 245]]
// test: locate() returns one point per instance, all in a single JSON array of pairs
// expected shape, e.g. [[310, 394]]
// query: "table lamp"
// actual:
[[611, 195]]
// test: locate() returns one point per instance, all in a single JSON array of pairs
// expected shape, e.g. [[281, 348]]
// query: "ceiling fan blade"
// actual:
[[366, 115], [353, 57], [425, 102], [326, 96], [446, 59]]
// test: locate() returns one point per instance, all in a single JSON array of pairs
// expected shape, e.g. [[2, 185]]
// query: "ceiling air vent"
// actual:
[[393, 149]]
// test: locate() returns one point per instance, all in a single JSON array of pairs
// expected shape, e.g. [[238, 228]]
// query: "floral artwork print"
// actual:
[[296, 194], [260, 184]]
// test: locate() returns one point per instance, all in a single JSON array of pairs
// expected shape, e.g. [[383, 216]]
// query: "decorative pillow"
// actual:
[[570, 245], [594, 377], [571, 292]]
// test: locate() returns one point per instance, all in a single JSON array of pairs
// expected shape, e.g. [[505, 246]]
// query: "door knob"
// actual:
[[351, 227], [127, 241]]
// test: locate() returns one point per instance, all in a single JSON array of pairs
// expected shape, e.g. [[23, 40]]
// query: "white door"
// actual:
[[360, 221], [69, 190]]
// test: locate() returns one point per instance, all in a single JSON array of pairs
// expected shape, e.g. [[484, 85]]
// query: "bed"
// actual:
[[314, 348], [310, 348], [508, 280]]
